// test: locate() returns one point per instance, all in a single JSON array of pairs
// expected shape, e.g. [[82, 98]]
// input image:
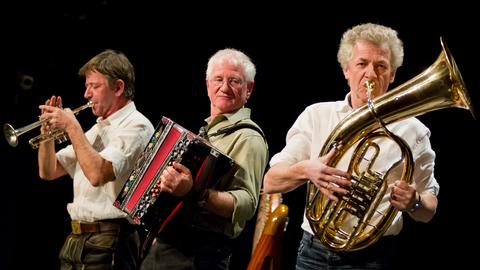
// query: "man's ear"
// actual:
[[119, 87], [345, 72], [250, 88]]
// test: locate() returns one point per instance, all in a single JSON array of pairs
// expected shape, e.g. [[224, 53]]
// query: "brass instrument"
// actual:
[[11, 134], [355, 221]]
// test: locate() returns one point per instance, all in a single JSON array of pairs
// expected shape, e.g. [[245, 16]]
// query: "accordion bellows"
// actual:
[[141, 197]]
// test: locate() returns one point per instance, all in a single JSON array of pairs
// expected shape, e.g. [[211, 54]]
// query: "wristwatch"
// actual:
[[417, 204]]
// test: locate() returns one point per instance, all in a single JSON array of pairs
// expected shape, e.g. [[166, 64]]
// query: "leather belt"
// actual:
[[79, 227]]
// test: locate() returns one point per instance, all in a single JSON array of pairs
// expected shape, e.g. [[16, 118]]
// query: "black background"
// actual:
[[294, 47]]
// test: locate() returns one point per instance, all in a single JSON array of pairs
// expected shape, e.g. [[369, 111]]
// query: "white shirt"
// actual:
[[308, 134], [120, 139]]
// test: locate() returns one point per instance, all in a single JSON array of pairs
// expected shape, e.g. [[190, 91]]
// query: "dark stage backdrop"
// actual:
[[294, 48]]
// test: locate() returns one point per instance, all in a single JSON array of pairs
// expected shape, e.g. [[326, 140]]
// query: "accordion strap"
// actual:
[[230, 129]]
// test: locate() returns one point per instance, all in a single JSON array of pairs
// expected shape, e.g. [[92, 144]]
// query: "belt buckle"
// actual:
[[76, 228]]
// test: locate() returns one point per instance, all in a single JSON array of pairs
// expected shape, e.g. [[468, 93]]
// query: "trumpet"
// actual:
[[11, 134]]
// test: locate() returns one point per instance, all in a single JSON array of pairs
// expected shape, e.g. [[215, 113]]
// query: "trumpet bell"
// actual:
[[10, 135]]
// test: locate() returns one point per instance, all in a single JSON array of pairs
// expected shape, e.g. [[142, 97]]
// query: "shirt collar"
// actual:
[[233, 117], [116, 117], [344, 105]]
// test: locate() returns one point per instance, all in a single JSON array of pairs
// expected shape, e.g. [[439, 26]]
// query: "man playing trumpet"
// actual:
[[99, 162]]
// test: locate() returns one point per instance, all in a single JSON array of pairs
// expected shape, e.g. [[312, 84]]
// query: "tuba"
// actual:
[[356, 221]]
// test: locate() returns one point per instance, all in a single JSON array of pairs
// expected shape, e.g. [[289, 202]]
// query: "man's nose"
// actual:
[[370, 72]]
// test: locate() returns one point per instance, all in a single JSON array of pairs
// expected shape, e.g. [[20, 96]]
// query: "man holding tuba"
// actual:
[[343, 201], [99, 161]]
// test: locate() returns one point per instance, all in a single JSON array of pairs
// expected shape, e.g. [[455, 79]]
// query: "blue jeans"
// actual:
[[312, 254]]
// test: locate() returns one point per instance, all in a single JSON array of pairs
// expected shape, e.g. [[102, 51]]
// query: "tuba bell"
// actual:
[[355, 221]]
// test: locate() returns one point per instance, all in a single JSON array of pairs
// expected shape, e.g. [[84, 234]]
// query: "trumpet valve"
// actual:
[[61, 138]]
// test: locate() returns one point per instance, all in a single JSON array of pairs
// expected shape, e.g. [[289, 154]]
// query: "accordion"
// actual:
[[141, 197]]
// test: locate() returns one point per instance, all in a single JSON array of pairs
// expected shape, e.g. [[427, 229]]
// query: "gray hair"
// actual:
[[373, 33], [234, 57]]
